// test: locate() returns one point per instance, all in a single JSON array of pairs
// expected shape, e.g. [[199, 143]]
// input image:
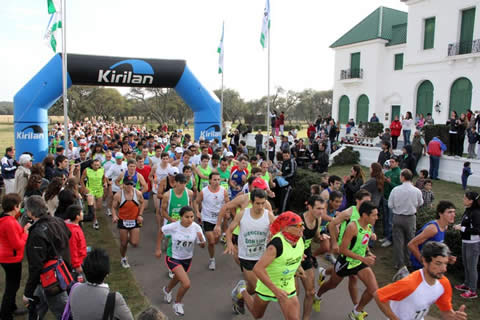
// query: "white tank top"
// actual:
[[160, 173], [212, 203], [252, 238]]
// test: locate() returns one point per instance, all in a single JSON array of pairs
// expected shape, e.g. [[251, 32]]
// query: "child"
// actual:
[[77, 243], [473, 138], [466, 172], [385, 137], [427, 194], [421, 179]]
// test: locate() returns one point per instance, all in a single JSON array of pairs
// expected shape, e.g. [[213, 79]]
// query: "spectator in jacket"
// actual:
[[87, 300], [453, 124], [473, 138], [48, 238], [435, 149], [22, 174], [288, 172], [385, 136], [429, 120], [49, 165], [470, 231], [320, 156], [33, 186], [395, 128], [392, 180], [407, 160], [375, 184], [419, 147], [374, 118], [466, 172], [352, 183], [9, 166], [385, 154], [462, 127], [77, 243], [12, 243], [281, 122]]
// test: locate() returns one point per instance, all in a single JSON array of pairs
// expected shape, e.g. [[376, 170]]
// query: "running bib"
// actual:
[[253, 250], [129, 223], [419, 315]]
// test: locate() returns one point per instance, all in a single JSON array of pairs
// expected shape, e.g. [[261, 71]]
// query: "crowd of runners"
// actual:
[[203, 194]]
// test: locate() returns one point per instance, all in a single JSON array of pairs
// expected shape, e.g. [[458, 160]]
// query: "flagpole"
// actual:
[[268, 81], [64, 72], [223, 70], [221, 104]]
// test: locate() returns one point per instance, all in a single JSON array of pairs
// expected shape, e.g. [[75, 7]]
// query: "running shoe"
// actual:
[[401, 273], [469, 295], [178, 309], [461, 287], [211, 264], [124, 263], [321, 276], [330, 258], [96, 226], [171, 274], [109, 212], [382, 240], [359, 316], [237, 298], [316, 303], [167, 296], [387, 243]]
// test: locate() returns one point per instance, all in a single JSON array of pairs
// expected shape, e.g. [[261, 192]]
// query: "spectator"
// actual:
[[453, 124], [49, 165], [9, 166], [151, 313], [320, 156], [350, 125], [407, 160], [374, 118], [407, 125], [435, 149], [470, 231], [277, 126], [392, 180], [48, 238], [258, 141], [420, 122], [12, 244], [273, 119], [352, 183], [281, 122], [404, 202], [51, 194], [462, 126], [33, 186], [395, 128], [77, 243], [311, 132], [66, 198], [375, 185], [284, 146], [88, 300], [288, 172], [385, 154], [421, 179], [429, 120], [385, 137], [466, 172], [427, 194], [22, 174], [300, 151], [332, 132], [473, 138], [419, 147]]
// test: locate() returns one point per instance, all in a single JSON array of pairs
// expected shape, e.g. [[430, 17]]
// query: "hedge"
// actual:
[[304, 179], [347, 156], [372, 129]]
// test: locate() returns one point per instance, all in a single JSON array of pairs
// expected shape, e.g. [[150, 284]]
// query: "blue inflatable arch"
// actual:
[[32, 102]]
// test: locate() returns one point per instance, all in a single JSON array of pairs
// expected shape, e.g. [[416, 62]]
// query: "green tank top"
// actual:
[[202, 183], [95, 179], [282, 270], [224, 176], [236, 231], [175, 204], [343, 226], [266, 177], [359, 244], [189, 185]]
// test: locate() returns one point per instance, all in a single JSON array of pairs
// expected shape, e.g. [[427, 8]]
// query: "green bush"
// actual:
[[304, 179], [372, 129], [437, 130], [347, 156]]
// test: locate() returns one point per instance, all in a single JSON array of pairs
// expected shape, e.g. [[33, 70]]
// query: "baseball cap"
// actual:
[[229, 154], [118, 155], [173, 171], [260, 184], [178, 150], [24, 158]]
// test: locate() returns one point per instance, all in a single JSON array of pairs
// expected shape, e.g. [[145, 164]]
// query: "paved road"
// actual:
[[209, 295]]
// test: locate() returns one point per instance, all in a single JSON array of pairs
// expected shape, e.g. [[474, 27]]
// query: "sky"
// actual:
[[301, 33]]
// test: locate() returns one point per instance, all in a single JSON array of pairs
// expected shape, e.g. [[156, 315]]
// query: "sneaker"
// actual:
[[124, 263], [382, 240], [461, 287], [316, 303], [96, 226], [109, 212], [330, 258], [178, 309], [387, 243], [211, 264], [401, 273], [321, 276], [167, 296], [359, 316], [237, 298], [469, 295], [171, 274]]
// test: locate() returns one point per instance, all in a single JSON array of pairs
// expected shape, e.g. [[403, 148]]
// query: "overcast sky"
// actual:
[[301, 33]]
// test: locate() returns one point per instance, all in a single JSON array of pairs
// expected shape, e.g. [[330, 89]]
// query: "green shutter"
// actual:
[[362, 109], [343, 109], [429, 36], [466, 33], [355, 64], [424, 98], [395, 112], [399, 61], [461, 96]]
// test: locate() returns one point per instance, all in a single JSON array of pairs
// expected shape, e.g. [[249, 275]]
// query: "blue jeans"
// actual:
[[56, 303], [258, 148], [434, 164], [387, 220], [406, 137]]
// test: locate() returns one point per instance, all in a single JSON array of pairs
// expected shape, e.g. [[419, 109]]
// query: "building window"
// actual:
[[398, 61], [429, 35], [466, 31], [355, 65]]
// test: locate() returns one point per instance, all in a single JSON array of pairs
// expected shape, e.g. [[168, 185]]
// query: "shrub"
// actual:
[[347, 156], [372, 129], [304, 179], [437, 130]]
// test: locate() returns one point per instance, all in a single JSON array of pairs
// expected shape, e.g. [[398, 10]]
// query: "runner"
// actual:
[[158, 172], [184, 233], [224, 172], [254, 224], [276, 270], [96, 182], [127, 213], [191, 185], [410, 298], [131, 173], [117, 169], [144, 170], [203, 172], [355, 259], [207, 205], [238, 176]]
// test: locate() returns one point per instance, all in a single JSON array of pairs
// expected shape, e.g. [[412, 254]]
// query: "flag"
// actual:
[[265, 25], [54, 23], [220, 52]]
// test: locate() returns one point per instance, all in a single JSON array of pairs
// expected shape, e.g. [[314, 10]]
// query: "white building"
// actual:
[[423, 61]]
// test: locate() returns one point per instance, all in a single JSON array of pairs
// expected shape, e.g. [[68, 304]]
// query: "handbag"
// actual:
[[282, 182]]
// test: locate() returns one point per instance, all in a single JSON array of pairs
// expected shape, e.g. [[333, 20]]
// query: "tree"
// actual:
[[234, 107]]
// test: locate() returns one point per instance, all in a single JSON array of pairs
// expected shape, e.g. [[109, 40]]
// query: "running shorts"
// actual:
[[341, 268], [127, 224], [247, 264], [207, 226], [173, 263], [274, 299]]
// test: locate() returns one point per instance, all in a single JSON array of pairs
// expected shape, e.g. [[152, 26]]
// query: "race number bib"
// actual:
[[420, 314], [129, 223], [254, 250]]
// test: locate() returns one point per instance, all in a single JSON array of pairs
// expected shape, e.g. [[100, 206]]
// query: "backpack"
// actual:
[[108, 312]]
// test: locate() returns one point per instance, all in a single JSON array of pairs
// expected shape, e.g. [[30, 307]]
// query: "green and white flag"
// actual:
[[54, 23], [265, 26], [220, 52]]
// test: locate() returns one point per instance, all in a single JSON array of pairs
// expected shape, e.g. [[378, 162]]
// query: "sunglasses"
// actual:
[[298, 225]]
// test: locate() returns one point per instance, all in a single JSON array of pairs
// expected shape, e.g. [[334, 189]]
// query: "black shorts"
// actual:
[[173, 263], [247, 264], [207, 226], [309, 261], [341, 268], [121, 225], [235, 239]]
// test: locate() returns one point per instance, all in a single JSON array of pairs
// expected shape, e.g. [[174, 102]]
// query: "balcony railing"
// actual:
[[351, 74], [464, 47]]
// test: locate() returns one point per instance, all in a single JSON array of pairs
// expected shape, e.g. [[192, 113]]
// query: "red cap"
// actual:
[[260, 184]]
